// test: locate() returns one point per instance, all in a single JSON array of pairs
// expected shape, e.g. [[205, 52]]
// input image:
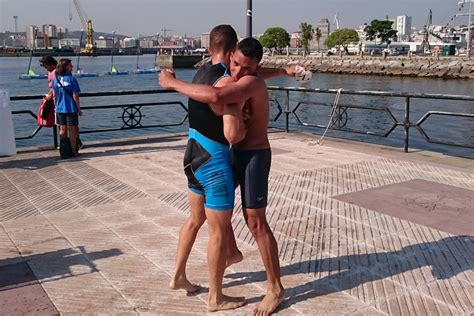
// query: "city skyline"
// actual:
[[151, 17]]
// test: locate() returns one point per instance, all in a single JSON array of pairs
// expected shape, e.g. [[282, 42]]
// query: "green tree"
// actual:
[[275, 37], [317, 36], [342, 37], [380, 29], [306, 35]]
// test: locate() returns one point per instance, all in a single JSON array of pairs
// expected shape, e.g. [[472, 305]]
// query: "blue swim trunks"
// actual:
[[207, 166]]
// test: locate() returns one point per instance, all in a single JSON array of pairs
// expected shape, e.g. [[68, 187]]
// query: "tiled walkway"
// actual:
[[360, 229]]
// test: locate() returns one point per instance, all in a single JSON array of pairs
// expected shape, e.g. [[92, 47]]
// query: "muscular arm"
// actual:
[[267, 73], [234, 128], [236, 92]]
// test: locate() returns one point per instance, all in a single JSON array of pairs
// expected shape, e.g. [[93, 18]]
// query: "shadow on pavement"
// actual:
[[49, 266], [446, 257]]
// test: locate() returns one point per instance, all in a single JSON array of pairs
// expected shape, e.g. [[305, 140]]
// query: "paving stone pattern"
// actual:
[[100, 233]]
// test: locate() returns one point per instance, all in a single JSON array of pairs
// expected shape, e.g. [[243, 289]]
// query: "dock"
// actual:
[[362, 229]]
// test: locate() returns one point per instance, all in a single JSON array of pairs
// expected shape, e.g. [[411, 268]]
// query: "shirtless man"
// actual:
[[252, 155]]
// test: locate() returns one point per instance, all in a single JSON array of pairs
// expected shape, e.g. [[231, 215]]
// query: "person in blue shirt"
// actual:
[[68, 107]]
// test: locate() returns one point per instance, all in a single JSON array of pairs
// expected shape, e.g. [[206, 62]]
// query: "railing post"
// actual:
[[287, 112], [406, 124], [55, 136]]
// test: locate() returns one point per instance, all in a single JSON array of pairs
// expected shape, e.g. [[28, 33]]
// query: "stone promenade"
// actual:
[[361, 230]]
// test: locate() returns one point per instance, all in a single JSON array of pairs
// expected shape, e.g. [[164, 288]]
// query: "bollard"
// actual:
[[7, 134]]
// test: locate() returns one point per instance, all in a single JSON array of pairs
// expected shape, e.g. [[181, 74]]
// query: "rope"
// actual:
[[335, 107]]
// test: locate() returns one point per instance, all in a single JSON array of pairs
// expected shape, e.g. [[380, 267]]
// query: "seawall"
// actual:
[[442, 67]]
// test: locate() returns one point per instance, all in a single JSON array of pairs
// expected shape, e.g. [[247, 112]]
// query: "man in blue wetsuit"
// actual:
[[252, 154], [210, 179]]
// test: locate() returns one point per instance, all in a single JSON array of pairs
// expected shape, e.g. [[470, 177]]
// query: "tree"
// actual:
[[275, 37], [306, 35], [317, 35], [342, 37], [380, 29]]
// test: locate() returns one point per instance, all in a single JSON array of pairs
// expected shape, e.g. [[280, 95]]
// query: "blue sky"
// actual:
[[193, 17]]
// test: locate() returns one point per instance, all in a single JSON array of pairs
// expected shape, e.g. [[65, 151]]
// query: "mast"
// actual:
[[79, 52]]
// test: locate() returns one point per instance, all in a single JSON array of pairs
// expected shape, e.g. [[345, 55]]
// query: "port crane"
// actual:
[[89, 48], [425, 44], [164, 30]]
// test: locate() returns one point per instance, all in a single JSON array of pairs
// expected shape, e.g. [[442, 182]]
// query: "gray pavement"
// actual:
[[361, 229]]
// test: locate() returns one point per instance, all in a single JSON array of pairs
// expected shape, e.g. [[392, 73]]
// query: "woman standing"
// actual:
[[68, 107]]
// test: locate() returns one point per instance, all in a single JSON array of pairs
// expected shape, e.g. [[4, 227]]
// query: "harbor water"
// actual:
[[459, 130]]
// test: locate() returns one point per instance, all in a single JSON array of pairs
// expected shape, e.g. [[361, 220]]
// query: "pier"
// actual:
[[178, 61], [361, 229], [417, 66]]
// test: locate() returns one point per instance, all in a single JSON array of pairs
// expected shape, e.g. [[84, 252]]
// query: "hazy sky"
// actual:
[[148, 17]]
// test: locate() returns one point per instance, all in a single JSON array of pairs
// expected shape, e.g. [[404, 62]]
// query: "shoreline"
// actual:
[[415, 66]]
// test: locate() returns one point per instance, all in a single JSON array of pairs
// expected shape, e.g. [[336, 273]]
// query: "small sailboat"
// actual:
[[140, 71], [81, 73], [32, 75], [114, 71]]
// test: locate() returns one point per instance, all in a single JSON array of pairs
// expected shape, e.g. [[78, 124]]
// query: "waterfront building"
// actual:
[[325, 28], [63, 32], [190, 42], [295, 39], [148, 43], [52, 42], [403, 27], [39, 42], [205, 40], [69, 42], [130, 42], [30, 35], [103, 42], [49, 31], [361, 32]]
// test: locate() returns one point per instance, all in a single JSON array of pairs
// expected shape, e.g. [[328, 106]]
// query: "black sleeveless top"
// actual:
[[201, 117]]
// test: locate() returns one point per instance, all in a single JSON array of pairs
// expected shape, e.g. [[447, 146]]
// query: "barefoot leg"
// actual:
[[225, 303], [187, 236]]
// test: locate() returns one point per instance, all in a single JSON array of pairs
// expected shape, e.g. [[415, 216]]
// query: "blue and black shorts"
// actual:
[[251, 170], [207, 166]]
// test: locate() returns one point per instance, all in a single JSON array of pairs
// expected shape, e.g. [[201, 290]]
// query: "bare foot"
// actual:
[[225, 303], [269, 303], [234, 258], [178, 283]]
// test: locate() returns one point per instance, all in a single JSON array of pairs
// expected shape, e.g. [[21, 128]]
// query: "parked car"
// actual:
[[375, 51]]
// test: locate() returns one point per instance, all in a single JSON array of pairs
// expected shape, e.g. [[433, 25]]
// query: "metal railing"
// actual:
[[132, 113], [340, 120]]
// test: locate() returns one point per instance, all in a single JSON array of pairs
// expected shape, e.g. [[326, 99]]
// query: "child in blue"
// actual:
[[68, 107]]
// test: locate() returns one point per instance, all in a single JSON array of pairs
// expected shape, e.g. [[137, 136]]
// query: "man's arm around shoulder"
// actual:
[[236, 92]]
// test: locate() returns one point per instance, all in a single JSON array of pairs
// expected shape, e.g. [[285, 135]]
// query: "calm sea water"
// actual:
[[453, 129]]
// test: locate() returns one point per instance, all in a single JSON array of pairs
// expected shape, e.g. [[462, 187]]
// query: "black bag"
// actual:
[[65, 149], [47, 108]]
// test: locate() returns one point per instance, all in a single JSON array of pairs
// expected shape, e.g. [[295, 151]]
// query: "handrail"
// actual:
[[296, 89], [132, 112]]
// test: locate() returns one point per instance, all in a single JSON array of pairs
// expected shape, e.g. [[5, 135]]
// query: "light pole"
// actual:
[[79, 53], [469, 31], [113, 48], [249, 18], [468, 50]]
